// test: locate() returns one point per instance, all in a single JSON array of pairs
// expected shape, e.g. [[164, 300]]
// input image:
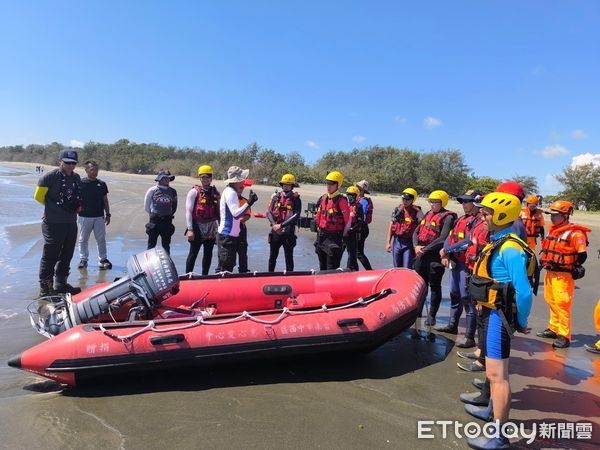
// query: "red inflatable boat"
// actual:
[[220, 317]]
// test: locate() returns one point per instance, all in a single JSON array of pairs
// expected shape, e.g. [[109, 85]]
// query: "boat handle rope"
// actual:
[[200, 320]]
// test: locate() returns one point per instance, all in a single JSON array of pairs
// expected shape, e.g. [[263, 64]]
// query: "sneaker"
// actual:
[[484, 413], [471, 367], [478, 383], [467, 343], [592, 349], [484, 443], [561, 342], [467, 355], [82, 264], [66, 288], [475, 398], [547, 333], [105, 264], [450, 329]]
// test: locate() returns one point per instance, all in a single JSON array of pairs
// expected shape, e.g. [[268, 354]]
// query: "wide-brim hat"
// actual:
[[162, 174], [363, 185], [469, 196], [236, 175]]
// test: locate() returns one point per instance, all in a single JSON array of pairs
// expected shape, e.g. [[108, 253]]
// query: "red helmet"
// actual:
[[512, 187]]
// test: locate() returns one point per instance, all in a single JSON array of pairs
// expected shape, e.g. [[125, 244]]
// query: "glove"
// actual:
[[252, 198], [578, 272]]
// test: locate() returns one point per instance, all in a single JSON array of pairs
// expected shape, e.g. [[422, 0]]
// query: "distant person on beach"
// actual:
[[405, 220], [365, 202], [283, 212], [242, 253], [93, 216], [59, 191], [231, 211], [356, 221], [161, 203], [202, 219]]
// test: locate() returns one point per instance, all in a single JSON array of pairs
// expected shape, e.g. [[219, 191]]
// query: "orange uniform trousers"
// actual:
[[559, 288], [597, 321]]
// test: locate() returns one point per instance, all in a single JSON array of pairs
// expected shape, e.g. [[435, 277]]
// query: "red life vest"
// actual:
[[207, 204], [282, 207], [330, 217], [462, 226], [558, 248], [369, 216], [532, 221], [405, 221], [431, 226], [479, 239]]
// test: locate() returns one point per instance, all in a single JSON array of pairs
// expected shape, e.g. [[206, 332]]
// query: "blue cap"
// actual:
[[69, 155], [164, 174]]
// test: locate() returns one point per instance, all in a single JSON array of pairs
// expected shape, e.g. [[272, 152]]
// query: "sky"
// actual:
[[515, 85]]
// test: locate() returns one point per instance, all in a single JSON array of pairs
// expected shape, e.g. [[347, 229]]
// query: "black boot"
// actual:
[[46, 288], [62, 287], [451, 328]]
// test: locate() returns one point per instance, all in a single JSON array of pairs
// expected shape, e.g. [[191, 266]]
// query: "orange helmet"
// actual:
[[561, 206], [531, 200]]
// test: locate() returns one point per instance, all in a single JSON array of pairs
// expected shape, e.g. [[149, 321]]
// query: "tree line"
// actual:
[[388, 169]]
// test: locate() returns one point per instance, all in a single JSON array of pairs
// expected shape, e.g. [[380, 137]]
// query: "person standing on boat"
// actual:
[[283, 213], [59, 190], [231, 211], [94, 216], [333, 223], [202, 219], [405, 220], [367, 206], [356, 222], [428, 240], [161, 203]]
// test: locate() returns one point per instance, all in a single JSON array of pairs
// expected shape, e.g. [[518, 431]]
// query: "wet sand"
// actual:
[[366, 401]]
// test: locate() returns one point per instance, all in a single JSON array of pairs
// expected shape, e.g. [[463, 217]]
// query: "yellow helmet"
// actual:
[[506, 207], [441, 196], [205, 170], [336, 177], [288, 178], [410, 191], [353, 190]]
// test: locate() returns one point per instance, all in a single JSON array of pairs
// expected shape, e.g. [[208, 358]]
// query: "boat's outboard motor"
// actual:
[[152, 278]]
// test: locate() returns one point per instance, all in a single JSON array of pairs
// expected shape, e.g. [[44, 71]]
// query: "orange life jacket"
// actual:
[[431, 226], [369, 216], [207, 204], [462, 226], [405, 221], [558, 252], [282, 207], [479, 239], [330, 217], [532, 222]]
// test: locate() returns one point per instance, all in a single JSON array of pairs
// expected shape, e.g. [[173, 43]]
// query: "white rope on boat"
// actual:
[[200, 320]]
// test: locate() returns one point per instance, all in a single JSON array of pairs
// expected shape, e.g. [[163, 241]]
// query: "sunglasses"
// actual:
[[69, 163]]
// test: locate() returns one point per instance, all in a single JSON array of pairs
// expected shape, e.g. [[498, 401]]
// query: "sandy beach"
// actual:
[[372, 401]]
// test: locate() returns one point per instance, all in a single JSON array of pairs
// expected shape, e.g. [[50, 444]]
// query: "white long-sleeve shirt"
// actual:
[[231, 212]]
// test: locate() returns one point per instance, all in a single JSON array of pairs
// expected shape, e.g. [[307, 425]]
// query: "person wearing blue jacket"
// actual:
[[500, 282]]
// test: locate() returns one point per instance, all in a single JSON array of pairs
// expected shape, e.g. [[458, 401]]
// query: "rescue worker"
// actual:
[[356, 223], [242, 253], [231, 211], [202, 219], [596, 347], [564, 250], [333, 222], [161, 203], [428, 239], [533, 219], [499, 284], [283, 213], [514, 188], [367, 206], [405, 219], [94, 216], [60, 192], [455, 250]]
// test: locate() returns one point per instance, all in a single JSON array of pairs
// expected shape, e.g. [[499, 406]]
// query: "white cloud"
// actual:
[[579, 134], [359, 139], [312, 144], [553, 151], [75, 143], [400, 119], [431, 122], [586, 158]]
